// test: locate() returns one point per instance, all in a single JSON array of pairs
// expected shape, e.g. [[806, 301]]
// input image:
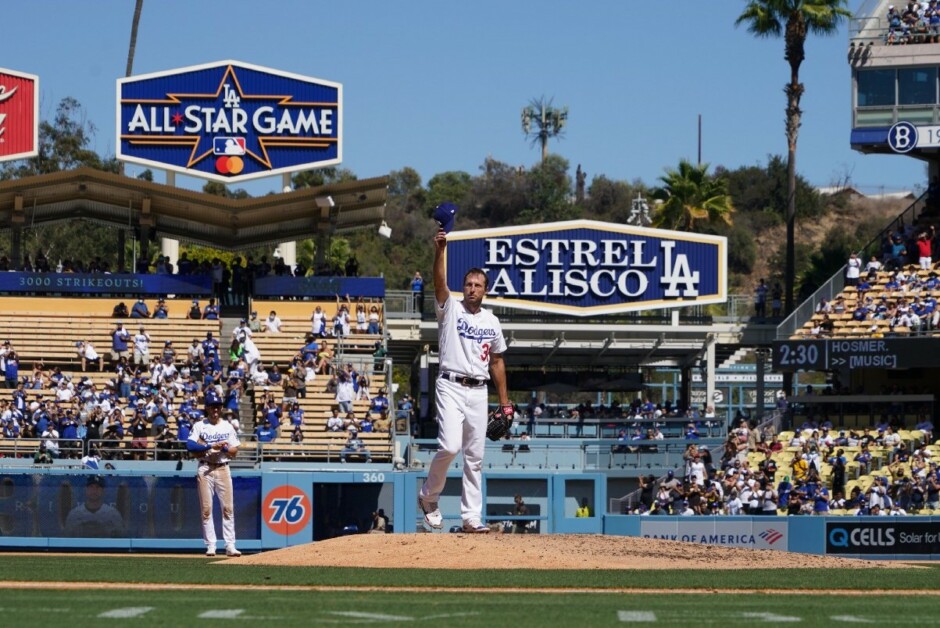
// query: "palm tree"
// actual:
[[132, 47], [793, 19], [548, 120], [690, 194]]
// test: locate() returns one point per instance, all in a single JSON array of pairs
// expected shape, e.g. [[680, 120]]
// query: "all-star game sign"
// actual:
[[19, 115], [229, 121]]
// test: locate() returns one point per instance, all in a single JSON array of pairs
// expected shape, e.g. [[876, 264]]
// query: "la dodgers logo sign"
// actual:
[[584, 267], [229, 121], [19, 115]]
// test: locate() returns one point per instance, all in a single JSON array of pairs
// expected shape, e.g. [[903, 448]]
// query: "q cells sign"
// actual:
[[19, 115], [229, 121], [584, 268]]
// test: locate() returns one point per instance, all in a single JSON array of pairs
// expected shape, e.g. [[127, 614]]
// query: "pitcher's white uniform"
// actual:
[[213, 477], [466, 343]]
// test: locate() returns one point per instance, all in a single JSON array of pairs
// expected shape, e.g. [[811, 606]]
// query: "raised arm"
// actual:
[[440, 271]]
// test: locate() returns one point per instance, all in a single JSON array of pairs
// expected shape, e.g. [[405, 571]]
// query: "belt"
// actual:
[[463, 380], [213, 464]]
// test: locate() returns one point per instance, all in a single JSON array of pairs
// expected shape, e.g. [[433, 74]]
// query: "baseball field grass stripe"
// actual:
[[143, 569], [292, 608]]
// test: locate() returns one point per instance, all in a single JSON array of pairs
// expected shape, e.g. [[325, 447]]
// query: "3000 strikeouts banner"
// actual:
[[229, 121], [586, 268]]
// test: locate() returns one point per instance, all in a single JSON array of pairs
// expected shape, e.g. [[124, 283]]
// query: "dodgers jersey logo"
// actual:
[[477, 334]]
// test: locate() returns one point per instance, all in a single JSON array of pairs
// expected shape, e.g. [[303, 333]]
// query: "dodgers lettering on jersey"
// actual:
[[467, 340], [211, 434]]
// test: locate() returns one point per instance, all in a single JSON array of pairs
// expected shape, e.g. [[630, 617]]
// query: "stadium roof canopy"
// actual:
[[223, 223]]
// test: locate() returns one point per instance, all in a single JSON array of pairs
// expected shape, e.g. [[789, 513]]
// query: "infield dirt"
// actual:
[[537, 551]]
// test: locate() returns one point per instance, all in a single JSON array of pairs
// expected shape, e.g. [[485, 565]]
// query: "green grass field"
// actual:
[[583, 603]]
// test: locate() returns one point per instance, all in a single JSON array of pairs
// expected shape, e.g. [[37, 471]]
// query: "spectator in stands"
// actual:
[[335, 422], [351, 422], [42, 455], [297, 436], [366, 425], [362, 387], [211, 311], [324, 363], [374, 319], [141, 348], [161, 310], [924, 247], [872, 268], [361, 319], [776, 300], [11, 369], [853, 270], [120, 311], [417, 292], [760, 299], [195, 312], [264, 433], [140, 309], [318, 322], [272, 323], [354, 446], [119, 340]]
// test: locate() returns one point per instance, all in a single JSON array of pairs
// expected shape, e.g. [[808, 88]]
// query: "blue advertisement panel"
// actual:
[[584, 267], [324, 287], [90, 506], [229, 121], [88, 283]]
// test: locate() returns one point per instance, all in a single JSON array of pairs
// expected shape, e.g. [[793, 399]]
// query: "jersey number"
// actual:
[[485, 356]]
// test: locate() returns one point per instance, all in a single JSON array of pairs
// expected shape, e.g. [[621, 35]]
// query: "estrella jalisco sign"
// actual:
[[229, 121], [585, 268], [19, 115]]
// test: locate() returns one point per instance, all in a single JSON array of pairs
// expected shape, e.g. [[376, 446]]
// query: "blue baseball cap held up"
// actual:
[[444, 214]]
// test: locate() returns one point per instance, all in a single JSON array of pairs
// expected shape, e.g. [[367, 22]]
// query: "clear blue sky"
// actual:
[[438, 85]]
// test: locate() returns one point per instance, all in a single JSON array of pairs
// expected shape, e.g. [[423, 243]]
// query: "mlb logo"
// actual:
[[228, 145]]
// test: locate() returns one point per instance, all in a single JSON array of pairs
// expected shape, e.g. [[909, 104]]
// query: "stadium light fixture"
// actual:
[[325, 202], [384, 230]]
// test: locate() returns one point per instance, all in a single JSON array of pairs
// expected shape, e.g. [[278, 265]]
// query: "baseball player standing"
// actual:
[[215, 442], [471, 347]]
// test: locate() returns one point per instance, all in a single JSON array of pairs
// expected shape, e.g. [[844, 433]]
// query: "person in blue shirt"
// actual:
[[119, 340], [161, 310], [211, 311], [12, 370], [296, 415], [140, 309], [264, 434]]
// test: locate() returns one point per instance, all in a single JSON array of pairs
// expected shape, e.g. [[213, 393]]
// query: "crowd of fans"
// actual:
[[155, 393], [815, 475], [917, 23]]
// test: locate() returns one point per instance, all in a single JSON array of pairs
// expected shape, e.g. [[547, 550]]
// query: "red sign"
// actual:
[[286, 510], [19, 115]]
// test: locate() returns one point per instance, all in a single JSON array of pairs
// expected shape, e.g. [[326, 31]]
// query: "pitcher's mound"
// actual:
[[534, 551]]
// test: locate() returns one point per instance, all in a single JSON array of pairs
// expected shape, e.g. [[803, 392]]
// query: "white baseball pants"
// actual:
[[461, 420], [216, 480]]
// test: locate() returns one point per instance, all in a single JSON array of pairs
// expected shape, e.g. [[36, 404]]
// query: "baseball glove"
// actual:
[[499, 423]]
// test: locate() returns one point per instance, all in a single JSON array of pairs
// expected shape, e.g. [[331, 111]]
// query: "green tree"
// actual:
[[499, 194], [794, 19], [688, 195], [454, 186], [548, 193], [321, 176]]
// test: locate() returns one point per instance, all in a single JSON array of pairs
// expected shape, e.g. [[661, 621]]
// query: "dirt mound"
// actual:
[[534, 551]]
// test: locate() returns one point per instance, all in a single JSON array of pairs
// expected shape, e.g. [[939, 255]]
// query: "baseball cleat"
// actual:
[[432, 515], [210, 552], [475, 527], [231, 551]]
